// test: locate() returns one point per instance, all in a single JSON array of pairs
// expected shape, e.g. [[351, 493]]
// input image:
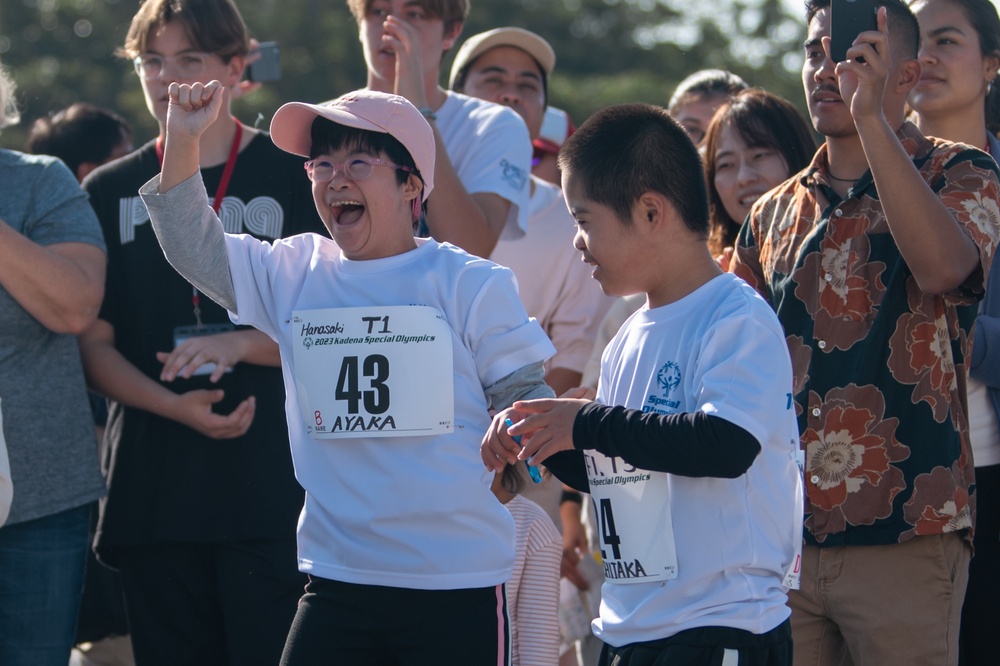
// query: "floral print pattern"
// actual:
[[850, 475], [843, 300], [938, 504], [879, 364], [920, 355]]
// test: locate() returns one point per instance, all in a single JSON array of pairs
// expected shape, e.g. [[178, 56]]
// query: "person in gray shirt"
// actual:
[[52, 262]]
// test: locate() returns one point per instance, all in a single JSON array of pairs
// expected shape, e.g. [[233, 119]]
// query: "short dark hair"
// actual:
[[763, 120], [511, 479], [77, 134], [212, 26], [982, 14], [623, 151], [904, 31], [329, 137], [706, 83]]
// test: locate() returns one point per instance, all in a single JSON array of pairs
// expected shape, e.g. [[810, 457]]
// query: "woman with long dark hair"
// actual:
[[755, 141], [957, 98]]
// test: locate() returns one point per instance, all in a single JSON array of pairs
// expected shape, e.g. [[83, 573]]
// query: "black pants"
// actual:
[[707, 646], [343, 623], [977, 638], [227, 604]]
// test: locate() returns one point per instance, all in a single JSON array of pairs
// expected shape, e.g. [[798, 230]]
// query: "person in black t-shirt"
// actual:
[[202, 504]]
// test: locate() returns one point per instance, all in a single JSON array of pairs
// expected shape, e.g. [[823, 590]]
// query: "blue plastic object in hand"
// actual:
[[536, 476]]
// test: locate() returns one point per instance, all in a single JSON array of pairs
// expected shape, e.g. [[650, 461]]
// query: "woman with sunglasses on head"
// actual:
[[755, 141], [958, 98], [202, 499]]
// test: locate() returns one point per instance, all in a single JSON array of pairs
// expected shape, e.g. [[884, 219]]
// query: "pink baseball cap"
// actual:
[[291, 127]]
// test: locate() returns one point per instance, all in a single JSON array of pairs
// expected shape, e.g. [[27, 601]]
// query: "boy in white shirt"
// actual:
[[392, 349], [690, 450], [483, 150]]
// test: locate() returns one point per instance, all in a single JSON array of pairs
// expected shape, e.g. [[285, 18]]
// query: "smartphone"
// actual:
[[555, 125], [848, 18], [268, 66]]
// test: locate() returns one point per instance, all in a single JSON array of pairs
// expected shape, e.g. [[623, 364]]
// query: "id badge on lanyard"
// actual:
[[379, 371]]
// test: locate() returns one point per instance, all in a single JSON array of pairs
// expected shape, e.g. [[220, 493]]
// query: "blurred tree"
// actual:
[[609, 51]]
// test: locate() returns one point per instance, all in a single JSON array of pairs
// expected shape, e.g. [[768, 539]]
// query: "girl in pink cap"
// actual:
[[393, 349]]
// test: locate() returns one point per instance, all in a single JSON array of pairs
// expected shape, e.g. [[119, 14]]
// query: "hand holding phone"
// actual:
[[849, 18]]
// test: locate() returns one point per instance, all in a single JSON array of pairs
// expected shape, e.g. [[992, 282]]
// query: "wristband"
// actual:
[[571, 496], [427, 112]]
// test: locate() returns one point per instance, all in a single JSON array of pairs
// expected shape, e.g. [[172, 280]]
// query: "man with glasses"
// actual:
[[483, 150], [202, 503]]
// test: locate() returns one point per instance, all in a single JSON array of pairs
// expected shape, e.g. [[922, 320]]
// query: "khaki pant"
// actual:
[[881, 605]]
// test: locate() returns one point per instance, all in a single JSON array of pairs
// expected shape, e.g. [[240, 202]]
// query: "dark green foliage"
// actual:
[[609, 51]]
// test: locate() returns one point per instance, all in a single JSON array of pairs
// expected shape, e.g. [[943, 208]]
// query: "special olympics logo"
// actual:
[[307, 343], [669, 377]]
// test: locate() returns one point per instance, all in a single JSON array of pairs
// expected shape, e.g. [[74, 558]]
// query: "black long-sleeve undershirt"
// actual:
[[693, 444]]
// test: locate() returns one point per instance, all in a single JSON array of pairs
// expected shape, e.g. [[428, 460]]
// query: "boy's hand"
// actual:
[[498, 448], [404, 40], [225, 350], [245, 87], [194, 409], [193, 108], [547, 428]]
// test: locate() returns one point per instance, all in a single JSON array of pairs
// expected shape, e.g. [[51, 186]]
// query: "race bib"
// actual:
[[374, 371], [635, 529]]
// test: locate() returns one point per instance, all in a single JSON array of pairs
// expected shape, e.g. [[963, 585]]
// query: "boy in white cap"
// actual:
[[483, 152], [392, 348]]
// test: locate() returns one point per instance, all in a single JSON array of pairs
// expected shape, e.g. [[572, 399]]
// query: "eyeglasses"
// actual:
[[150, 65], [358, 168]]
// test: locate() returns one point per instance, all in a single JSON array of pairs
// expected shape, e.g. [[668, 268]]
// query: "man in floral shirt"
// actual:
[[874, 258]]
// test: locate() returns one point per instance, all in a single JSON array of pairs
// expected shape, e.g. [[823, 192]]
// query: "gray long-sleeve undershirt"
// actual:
[[191, 236]]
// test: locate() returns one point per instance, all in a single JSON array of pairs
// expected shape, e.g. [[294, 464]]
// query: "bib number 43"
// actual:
[[375, 369]]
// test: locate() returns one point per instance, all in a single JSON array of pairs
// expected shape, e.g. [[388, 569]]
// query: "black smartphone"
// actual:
[[848, 18], [268, 66]]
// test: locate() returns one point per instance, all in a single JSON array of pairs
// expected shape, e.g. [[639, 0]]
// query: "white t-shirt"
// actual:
[[554, 283], [984, 431], [719, 350], [413, 511], [533, 589], [619, 311], [490, 148], [6, 489]]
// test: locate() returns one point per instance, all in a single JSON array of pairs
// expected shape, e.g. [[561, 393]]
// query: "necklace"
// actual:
[[842, 180]]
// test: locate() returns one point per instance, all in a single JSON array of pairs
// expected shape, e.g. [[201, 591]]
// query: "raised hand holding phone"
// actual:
[[863, 75]]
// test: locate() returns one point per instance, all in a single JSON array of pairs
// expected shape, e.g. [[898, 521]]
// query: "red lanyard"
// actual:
[[220, 194], [227, 173]]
